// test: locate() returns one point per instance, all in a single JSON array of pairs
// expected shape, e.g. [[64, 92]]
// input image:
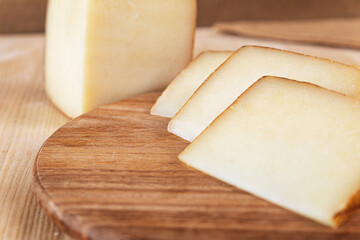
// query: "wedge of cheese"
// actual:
[[101, 51], [294, 144], [186, 83], [242, 69]]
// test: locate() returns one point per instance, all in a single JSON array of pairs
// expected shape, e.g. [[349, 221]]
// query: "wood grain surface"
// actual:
[[22, 16], [113, 173], [329, 32], [19, 16], [211, 11], [27, 119]]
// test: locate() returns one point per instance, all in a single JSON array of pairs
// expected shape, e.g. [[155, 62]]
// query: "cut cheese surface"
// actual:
[[245, 67], [186, 83], [102, 51], [294, 144]]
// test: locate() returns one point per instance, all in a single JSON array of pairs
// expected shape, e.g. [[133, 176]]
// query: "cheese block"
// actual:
[[186, 83], [242, 69], [102, 51], [294, 144]]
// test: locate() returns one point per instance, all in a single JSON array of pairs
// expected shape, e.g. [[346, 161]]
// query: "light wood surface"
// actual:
[[207, 39], [330, 32], [27, 119], [113, 173]]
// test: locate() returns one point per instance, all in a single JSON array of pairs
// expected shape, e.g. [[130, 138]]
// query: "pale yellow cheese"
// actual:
[[186, 83], [102, 51], [294, 144], [242, 69]]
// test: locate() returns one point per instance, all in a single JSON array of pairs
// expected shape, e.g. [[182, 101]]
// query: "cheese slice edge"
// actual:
[[294, 144], [186, 83], [242, 69]]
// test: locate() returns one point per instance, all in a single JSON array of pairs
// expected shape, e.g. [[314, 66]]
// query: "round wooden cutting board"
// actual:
[[113, 173]]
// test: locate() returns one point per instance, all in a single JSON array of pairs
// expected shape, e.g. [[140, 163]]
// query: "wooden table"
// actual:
[[27, 119]]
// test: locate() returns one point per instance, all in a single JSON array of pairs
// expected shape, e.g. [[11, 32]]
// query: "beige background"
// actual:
[[29, 15]]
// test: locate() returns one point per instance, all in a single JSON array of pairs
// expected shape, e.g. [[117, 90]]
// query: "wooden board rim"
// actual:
[[72, 225]]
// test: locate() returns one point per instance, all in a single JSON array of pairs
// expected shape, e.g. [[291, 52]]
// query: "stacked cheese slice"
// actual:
[[243, 69], [292, 142], [186, 83]]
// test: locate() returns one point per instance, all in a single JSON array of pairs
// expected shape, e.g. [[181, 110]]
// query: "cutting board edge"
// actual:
[[68, 224], [42, 197]]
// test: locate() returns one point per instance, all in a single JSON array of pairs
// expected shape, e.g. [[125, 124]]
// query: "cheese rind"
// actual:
[[186, 83], [242, 69], [64, 54], [102, 51], [294, 144]]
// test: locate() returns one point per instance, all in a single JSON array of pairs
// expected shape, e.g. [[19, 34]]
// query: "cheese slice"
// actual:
[[294, 144], [186, 83], [242, 69], [102, 51]]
